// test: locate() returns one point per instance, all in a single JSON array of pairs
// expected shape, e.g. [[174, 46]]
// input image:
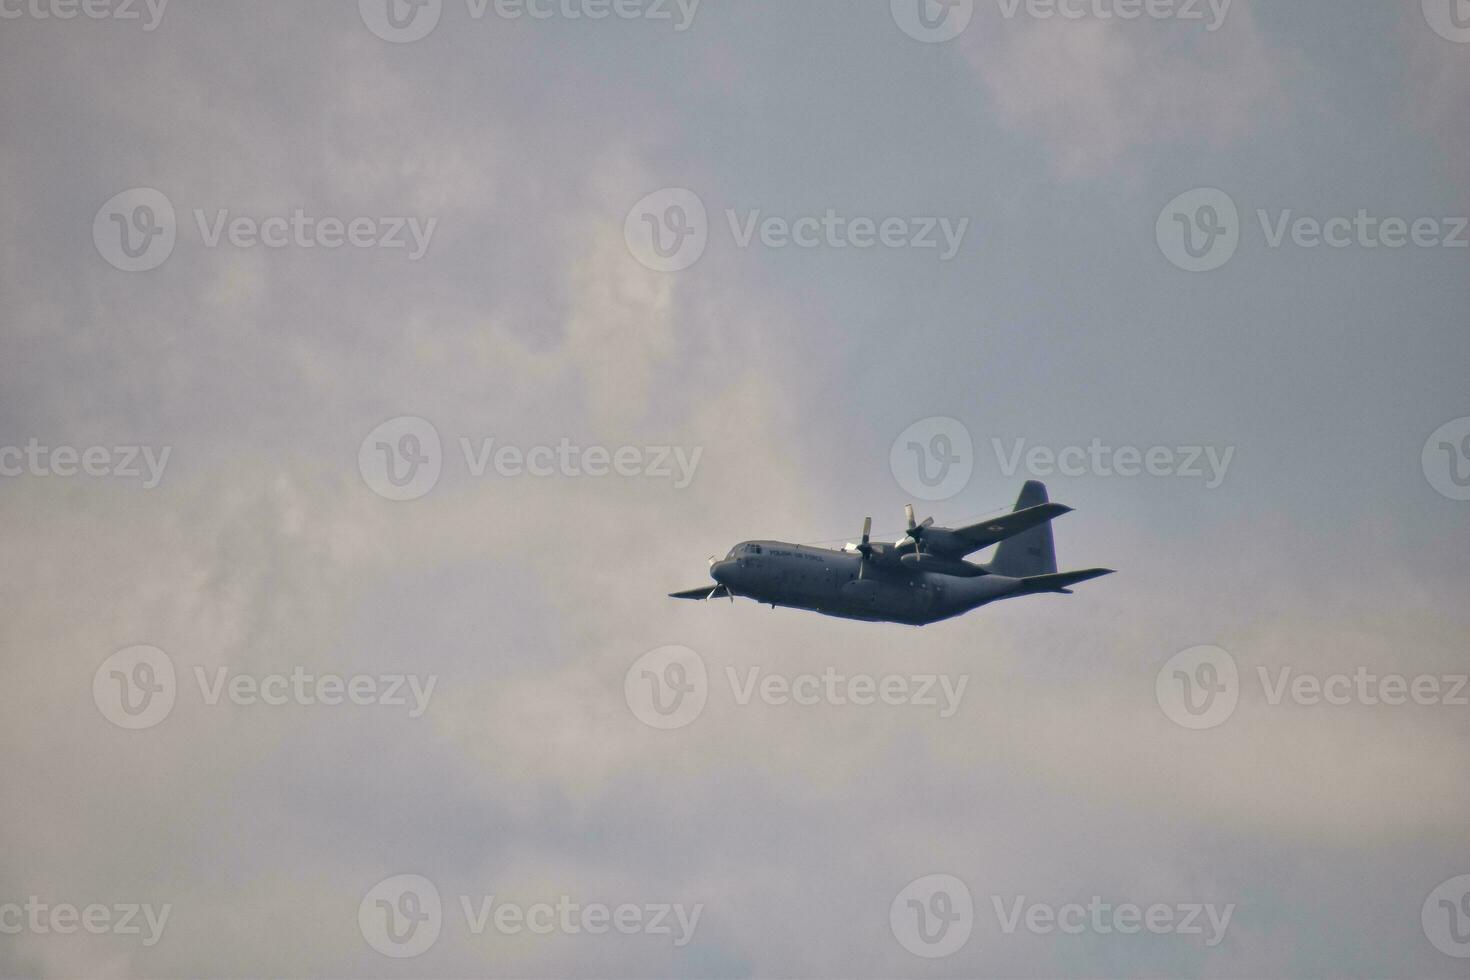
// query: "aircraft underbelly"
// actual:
[[835, 588]]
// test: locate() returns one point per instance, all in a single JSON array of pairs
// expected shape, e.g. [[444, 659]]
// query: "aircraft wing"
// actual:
[[997, 529], [703, 592]]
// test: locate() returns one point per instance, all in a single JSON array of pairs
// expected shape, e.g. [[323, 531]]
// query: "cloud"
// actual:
[[1095, 91]]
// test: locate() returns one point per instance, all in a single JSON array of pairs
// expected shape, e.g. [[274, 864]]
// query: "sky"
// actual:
[[373, 370]]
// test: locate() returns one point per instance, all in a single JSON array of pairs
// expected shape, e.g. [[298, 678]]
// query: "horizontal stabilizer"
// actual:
[[704, 592], [1060, 582]]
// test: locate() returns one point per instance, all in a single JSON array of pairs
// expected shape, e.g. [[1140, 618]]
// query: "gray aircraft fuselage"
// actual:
[[829, 582]]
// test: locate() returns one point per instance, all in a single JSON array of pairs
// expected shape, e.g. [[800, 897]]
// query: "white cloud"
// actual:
[[1097, 91]]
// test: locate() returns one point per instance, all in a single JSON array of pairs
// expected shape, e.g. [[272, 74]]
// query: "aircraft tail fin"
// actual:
[[1030, 553], [1061, 583]]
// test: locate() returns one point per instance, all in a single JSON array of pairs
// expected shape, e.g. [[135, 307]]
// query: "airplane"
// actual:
[[922, 578]]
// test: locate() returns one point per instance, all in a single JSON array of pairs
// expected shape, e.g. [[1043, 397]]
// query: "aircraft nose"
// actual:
[[720, 571]]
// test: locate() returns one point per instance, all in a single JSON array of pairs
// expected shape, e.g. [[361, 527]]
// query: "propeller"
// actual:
[[915, 535], [863, 548]]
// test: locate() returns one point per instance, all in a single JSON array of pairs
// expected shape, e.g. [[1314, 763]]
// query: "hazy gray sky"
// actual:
[[174, 184]]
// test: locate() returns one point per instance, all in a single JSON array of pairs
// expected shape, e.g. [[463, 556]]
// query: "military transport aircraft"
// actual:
[[922, 578]]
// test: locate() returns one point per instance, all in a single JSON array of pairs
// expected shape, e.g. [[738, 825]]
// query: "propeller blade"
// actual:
[[865, 549], [916, 530]]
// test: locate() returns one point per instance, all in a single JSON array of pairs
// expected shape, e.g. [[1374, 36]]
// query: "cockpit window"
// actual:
[[741, 550]]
